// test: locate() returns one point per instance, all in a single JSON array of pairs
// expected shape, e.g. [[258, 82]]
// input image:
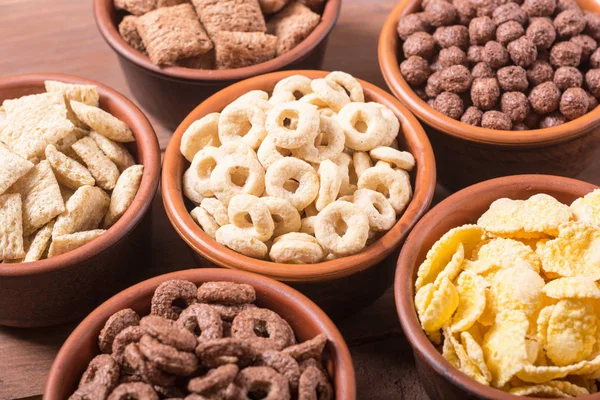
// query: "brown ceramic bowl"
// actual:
[[466, 154], [357, 279], [170, 93], [304, 316], [66, 287], [440, 379]]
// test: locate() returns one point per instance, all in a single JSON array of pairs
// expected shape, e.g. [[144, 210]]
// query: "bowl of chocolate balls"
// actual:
[[502, 87]]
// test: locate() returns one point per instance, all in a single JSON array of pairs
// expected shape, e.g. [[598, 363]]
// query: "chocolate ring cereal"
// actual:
[[314, 385], [205, 220], [268, 153], [247, 212], [168, 332], [401, 159], [298, 170], [114, 325], [235, 120], [90, 392], [237, 239], [226, 292], [303, 125], [349, 83], [133, 391], [328, 144], [380, 212], [394, 183], [331, 93], [352, 239], [285, 216], [310, 349], [216, 209], [266, 379], [293, 84], [237, 174], [203, 321], [168, 293], [102, 370], [283, 363], [217, 352], [330, 181], [129, 335], [228, 312], [288, 249], [201, 133], [167, 358], [362, 124], [264, 329], [214, 380], [196, 180], [147, 370]]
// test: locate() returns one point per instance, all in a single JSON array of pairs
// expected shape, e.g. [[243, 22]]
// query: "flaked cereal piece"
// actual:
[[485, 93], [565, 54], [481, 30], [513, 79], [67, 171], [116, 152], [172, 33], [292, 25], [574, 103], [415, 70], [104, 171], [515, 105], [592, 81], [523, 51], [241, 49], [87, 94], [12, 168], [123, 194], [539, 8], [11, 227], [65, 243], [272, 6], [455, 35], [495, 55], [544, 98], [449, 104], [496, 120], [230, 15], [567, 77], [103, 122], [509, 12], [541, 32], [39, 243], [440, 13], [129, 32], [411, 23], [508, 32], [482, 70], [452, 56], [419, 44], [588, 45], [475, 54], [592, 26], [136, 7], [114, 325], [539, 72], [569, 23], [456, 79], [472, 116], [84, 211]]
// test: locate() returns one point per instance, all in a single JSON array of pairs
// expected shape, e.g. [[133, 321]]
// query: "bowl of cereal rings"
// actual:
[[502, 87], [308, 177], [496, 290], [204, 333], [80, 168], [175, 54]]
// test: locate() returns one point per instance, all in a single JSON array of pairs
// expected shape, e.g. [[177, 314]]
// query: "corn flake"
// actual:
[[576, 287], [516, 289], [587, 208], [508, 253], [471, 293], [442, 306]]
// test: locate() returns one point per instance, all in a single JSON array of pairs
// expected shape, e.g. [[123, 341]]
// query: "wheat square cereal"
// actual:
[[116, 152], [64, 144], [67, 171], [102, 122], [230, 15], [172, 33], [11, 228], [39, 243], [124, 193], [33, 122], [241, 49], [65, 243], [203, 61], [104, 171], [12, 167], [292, 25], [84, 211], [136, 7], [87, 94], [129, 33]]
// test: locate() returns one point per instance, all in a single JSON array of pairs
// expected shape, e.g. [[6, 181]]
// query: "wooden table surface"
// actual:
[[60, 36]]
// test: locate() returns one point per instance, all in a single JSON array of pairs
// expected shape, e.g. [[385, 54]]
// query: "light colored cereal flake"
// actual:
[[587, 208], [65, 243], [116, 152], [42, 200], [87, 94], [12, 168], [84, 211], [33, 122], [104, 171], [39, 243], [68, 172], [11, 231], [103, 122], [124, 193]]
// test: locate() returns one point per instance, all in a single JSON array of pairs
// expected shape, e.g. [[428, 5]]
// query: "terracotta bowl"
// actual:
[[440, 379], [66, 287], [304, 316], [466, 154], [358, 279], [170, 93]]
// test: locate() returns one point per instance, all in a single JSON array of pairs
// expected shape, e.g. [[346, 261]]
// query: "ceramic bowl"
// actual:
[[66, 287], [170, 93], [303, 315], [440, 379], [466, 154]]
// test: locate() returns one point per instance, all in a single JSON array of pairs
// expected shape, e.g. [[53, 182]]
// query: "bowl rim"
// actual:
[[103, 10], [344, 376], [407, 263], [145, 138], [389, 65], [334, 269]]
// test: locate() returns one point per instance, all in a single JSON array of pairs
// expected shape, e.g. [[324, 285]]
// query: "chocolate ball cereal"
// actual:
[[520, 126], [495, 55], [552, 119], [562, 5], [496, 120], [588, 45], [515, 105], [466, 11], [440, 13], [567, 77], [569, 23], [472, 116], [545, 98], [485, 93], [541, 32], [452, 56], [509, 31], [433, 88], [513, 79], [539, 72], [419, 44], [415, 70], [523, 51], [449, 104], [565, 54], [539, 8], [574, 103], [411, 23], [592, 102], [448, 36], [592, 24], [482, 70], [456, 79], [509, 12], [475, 54], [481, 30], [595, 59]]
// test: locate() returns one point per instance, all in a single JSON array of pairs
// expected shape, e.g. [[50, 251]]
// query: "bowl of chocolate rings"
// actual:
[[308, 177], [502, 87], [204, 334], [496, 290]]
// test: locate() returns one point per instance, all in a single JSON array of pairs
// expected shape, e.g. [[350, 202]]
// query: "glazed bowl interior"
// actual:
[[108, 18], [145, 150], [413, 139], [303, 315], [465, 207], [390, 56]]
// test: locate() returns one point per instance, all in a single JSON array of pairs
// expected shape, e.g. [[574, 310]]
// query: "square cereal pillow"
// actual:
[[241, 49], [292, 25], [230, 15]]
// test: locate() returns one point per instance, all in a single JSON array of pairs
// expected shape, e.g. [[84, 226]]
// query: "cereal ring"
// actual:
[[237, 174], [363, 124], [203, 321], [254, 97], [361, 162], [168, 332], [349, 83], [114, 325], [240, 241], [389, 137], [297, 85], [196, 180], [273, 385], [311, 210], [281, 97], [313, 99], [129, 335], [228, 312], [314, 384], [285, 216], [268, 153], [251, 215], [354, 228], [102, 370], [394, 183], [330, 179], [298, 170], [312, 348], [344, 161], [214, 380], [401, 159], [226, 292], [331, 93], [133, 390], [311, 362], [201, 133], [167, 358], [307, 225], [380, 212], [330, 133], [216, 209], [169, 392], [244, 122], [288, 250], [215, 353], [298, 236], [147, 370], [303, 125], [205, 221], [262, 328], [236, 147], [90, 392], [283, 363], [170, 293]]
